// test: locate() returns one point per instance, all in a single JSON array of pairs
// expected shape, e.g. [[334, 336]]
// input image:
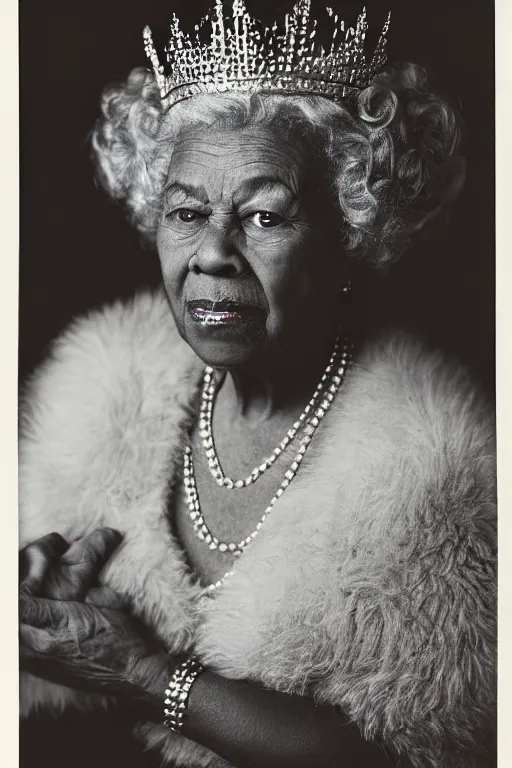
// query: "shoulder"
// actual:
[[412, 428], [119, 337], [416, 393], [402, 365], [110, 354]]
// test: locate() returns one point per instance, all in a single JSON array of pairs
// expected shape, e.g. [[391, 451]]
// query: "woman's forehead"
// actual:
[[240, 157], [260, 143]]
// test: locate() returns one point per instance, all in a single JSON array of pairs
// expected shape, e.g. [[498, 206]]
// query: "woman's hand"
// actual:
[[98, 650], [49, 567], [104, 650], [95, 647]]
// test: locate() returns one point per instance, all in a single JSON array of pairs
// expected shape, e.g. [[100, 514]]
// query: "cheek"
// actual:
[[292, 276], [174, 257]]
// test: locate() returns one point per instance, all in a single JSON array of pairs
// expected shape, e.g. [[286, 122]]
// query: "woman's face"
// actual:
[[249, 247]]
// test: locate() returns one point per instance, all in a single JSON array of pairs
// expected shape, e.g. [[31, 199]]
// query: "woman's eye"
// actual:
[[266, 220], [185, 215], [185, 222]]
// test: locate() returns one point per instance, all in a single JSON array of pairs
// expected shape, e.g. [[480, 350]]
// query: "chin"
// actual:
[[223, 348]]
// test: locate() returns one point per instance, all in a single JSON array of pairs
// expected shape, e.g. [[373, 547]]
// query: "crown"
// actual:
[[244, 55]]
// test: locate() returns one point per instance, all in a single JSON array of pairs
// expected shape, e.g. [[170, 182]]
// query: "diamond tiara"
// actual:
[[244, 55]]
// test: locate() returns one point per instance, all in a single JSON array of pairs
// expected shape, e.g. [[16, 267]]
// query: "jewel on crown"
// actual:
[[244, 55]]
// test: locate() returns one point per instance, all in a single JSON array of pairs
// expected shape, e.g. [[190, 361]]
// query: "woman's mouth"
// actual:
[[246, 319], [205, 312]]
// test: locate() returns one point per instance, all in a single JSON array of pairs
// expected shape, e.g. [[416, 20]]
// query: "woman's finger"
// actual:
[[36, 656], [37, 559], [105, 597], [93, 549], [35, 641], [40, 612], [82, 563]]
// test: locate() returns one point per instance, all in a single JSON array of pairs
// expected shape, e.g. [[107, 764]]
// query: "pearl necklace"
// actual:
[[206, 428], [325, 392]]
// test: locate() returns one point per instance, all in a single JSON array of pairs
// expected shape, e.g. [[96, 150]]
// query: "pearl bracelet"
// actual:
[[178, 692]]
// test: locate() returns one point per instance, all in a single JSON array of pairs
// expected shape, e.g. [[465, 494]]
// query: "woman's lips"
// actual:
[[207, 312], [247, 320]]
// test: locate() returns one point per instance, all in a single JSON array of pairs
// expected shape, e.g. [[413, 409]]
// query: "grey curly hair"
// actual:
[[391, 154]]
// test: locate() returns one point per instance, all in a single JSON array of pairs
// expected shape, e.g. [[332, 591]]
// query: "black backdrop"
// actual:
[[77, 251]]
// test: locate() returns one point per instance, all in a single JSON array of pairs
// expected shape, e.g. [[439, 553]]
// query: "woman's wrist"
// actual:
[[178, 691], [246, 724], [249, 725], [148, 681]]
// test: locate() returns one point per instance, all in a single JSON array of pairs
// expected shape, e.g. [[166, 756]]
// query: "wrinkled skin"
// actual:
[[51, 568], [78, 634], [248, 216]]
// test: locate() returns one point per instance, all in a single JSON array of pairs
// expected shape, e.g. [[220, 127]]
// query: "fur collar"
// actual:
[[371, 587]]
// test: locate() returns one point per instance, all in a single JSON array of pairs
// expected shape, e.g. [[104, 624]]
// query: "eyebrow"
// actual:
[[249, 187], [264, 183], [199, 193]]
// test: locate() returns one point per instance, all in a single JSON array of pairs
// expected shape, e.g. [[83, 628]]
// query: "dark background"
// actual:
[[77, 251]]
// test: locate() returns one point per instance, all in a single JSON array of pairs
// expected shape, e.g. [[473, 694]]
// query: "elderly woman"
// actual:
[[273, 533]]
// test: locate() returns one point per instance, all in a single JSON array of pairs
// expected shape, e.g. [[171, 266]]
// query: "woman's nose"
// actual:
[[218, 255]]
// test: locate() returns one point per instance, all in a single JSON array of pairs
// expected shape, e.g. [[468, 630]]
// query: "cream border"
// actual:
[[9, 193], [504, 371], [8, 373]]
